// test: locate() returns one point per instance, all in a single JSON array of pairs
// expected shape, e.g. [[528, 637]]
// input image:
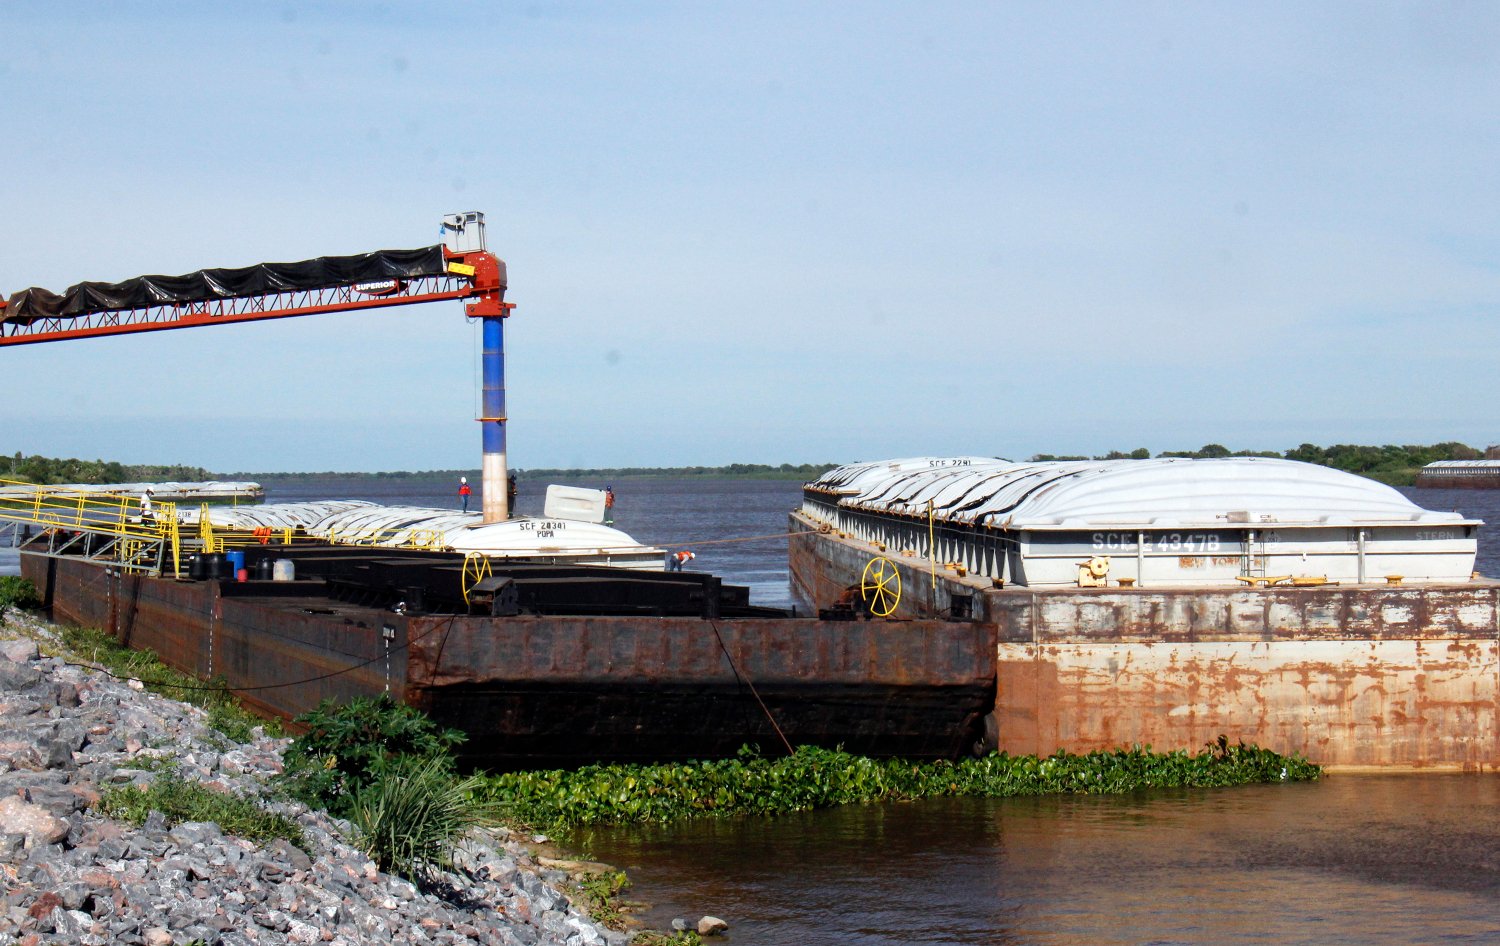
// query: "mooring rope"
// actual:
[[746, 682]]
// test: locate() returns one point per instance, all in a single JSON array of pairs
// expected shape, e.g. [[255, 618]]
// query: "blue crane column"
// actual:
[[496, 481], [490, 307]]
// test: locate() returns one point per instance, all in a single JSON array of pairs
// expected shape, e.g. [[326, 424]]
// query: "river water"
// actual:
[[1348, 860]]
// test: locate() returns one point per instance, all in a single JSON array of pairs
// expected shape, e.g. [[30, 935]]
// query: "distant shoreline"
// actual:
[[1391, 464], [737, 471]]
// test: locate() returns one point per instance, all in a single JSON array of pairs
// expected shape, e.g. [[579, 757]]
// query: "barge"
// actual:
[[1334, 618], [1460, 474], [546, 665], [210, 491]]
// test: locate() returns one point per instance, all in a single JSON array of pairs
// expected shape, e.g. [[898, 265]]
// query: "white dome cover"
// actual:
[[1147, 493], [354, 520]]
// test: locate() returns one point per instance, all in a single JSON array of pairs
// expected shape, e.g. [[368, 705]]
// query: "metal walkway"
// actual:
[[102, 527], [118, 529]]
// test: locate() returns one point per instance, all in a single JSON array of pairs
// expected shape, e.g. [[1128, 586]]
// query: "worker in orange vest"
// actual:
[[464, 492], [609, 505], [675, 560]]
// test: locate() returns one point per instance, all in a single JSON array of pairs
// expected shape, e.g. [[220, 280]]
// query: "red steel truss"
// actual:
[[482, 286]]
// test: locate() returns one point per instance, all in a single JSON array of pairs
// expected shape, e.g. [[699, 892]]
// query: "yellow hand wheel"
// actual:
[[880, 587], [476, 569]]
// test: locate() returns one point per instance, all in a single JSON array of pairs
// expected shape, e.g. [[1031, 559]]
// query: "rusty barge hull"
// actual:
[[1353, 676], [557, 690]]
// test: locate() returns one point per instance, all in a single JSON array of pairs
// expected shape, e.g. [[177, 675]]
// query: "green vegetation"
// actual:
[[18, 593], [409, 817], [819, 778], [389, 770], [225, 714], [601, 893], [347, 749], [182, 800], [1390, 464], [49, 471], [677, 938]]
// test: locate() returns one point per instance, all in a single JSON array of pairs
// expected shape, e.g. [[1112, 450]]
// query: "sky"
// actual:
[[772, 232]]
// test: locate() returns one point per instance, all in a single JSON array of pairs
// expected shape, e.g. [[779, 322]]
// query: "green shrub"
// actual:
[[19, 593], [409, 817], [347, 748], [818, 778], [182, 800]]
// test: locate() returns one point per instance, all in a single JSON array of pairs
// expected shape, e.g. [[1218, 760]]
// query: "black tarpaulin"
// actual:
[[206, 285]]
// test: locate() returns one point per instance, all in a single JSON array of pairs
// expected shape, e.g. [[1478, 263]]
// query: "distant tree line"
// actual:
[[784, 471], [787, 471], [47, 471], [1396, 465], [383, 475]]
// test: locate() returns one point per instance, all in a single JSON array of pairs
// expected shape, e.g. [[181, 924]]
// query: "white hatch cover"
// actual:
[[1144, 493]]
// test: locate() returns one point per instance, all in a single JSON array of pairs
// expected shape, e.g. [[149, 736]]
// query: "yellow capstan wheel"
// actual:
[[880, 587], [476, 569]]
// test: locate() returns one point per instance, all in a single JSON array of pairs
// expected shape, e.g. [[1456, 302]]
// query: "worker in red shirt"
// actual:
[[464, 492], [609, 505]]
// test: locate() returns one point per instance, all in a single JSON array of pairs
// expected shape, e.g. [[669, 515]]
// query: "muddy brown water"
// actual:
[[1348, 860]]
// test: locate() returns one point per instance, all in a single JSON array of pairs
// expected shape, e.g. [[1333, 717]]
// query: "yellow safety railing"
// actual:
[[430, 540], [136, 526], [211, 542]]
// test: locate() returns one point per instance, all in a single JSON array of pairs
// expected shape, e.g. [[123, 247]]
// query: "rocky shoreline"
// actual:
[[71, 875]]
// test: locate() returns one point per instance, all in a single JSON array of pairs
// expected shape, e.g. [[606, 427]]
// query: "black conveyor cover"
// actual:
[[29, 305]]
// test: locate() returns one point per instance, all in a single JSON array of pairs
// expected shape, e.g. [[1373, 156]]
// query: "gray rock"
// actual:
[[711, 926], [33, 821], [679, 924], [19, 651], [56, 753], [24, 757], [289, 853], [189, 833], [73, 895]]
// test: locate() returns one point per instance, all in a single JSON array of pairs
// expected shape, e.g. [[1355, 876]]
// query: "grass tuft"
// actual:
[[18, 593], [409, 818], [182, 800]]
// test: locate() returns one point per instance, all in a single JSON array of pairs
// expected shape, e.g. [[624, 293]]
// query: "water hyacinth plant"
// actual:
[[818, 778]]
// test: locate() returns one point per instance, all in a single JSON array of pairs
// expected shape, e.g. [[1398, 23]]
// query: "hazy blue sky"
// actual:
[[769, 232]]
